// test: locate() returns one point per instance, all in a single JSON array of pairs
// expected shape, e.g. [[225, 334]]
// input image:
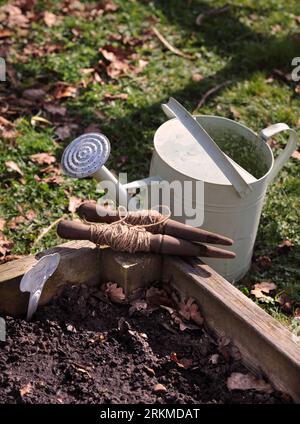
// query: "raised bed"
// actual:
[[266, 346]]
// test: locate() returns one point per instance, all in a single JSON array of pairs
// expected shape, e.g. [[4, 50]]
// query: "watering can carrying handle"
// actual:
[[174, 109], [269, 132]]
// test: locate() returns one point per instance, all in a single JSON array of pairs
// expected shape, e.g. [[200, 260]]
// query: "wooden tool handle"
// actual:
[[96, 213], [159, 243]]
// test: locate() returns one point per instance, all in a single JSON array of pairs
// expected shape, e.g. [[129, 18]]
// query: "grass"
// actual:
[[245, 45]]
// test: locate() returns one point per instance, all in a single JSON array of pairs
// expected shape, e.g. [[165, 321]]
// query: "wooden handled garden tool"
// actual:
[[125, 238], [153, 221]]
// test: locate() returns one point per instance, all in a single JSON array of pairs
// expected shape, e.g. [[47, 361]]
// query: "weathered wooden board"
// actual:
[[78, 264], [81, 262], [265, 344]]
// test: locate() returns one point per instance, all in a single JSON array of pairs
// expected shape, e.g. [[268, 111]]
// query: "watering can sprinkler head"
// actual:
[[85, 157]]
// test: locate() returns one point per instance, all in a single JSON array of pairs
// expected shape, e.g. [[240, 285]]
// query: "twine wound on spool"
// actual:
[[129, 233], [121, 237]]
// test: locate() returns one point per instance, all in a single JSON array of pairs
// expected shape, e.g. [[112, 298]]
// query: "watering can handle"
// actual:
[[175, 109], [269, 132]]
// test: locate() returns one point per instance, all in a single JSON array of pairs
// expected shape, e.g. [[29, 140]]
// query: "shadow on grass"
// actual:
[[245, 51]]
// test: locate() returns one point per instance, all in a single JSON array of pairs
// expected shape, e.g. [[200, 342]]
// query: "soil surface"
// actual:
[[81, 348]]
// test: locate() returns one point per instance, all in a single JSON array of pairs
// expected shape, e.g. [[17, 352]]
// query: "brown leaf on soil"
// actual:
[[34, 94], [190, 311], [159, 388], [261, 288], [25, 389], [137, 306], [51, 19], [157, 297], [43, 158], [64, 90], [2, 224], [182, 363], [74, 202], [296, 155], [239, 381], [115, 293], [214, 359], [10, 164]]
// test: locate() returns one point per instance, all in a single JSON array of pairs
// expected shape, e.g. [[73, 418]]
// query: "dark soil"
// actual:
[[82, 348]]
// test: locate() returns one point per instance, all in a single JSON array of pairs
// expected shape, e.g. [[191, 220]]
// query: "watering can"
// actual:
[[184, 150]]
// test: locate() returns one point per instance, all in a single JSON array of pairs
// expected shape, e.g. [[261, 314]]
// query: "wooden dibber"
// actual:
[[96, 213], [159, 243]]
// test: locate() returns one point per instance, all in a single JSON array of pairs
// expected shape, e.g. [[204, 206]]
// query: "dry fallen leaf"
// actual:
[[115, 293], [5, 245], [214, 359], [34, 94], [53, 179], [4, 33], [159, 388], [182, 363], [190, 311], [2, 224], [64, 90], [296, 155], [197, 77], [121, 96], [261, 288], [25, 389], [285, 303], [13, 166], [43, 158], [74, 202], [63, 131], [157, 297], [55, 109], [14, 222], [264, 262], [285, 246], [50, 19], [235, 113], [239, 381], [15, 17]]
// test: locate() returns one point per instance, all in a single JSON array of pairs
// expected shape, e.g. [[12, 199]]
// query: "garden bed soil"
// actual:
[[81, 348]]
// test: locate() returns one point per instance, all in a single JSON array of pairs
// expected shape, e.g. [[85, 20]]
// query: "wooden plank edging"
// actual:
[[265, 344]]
